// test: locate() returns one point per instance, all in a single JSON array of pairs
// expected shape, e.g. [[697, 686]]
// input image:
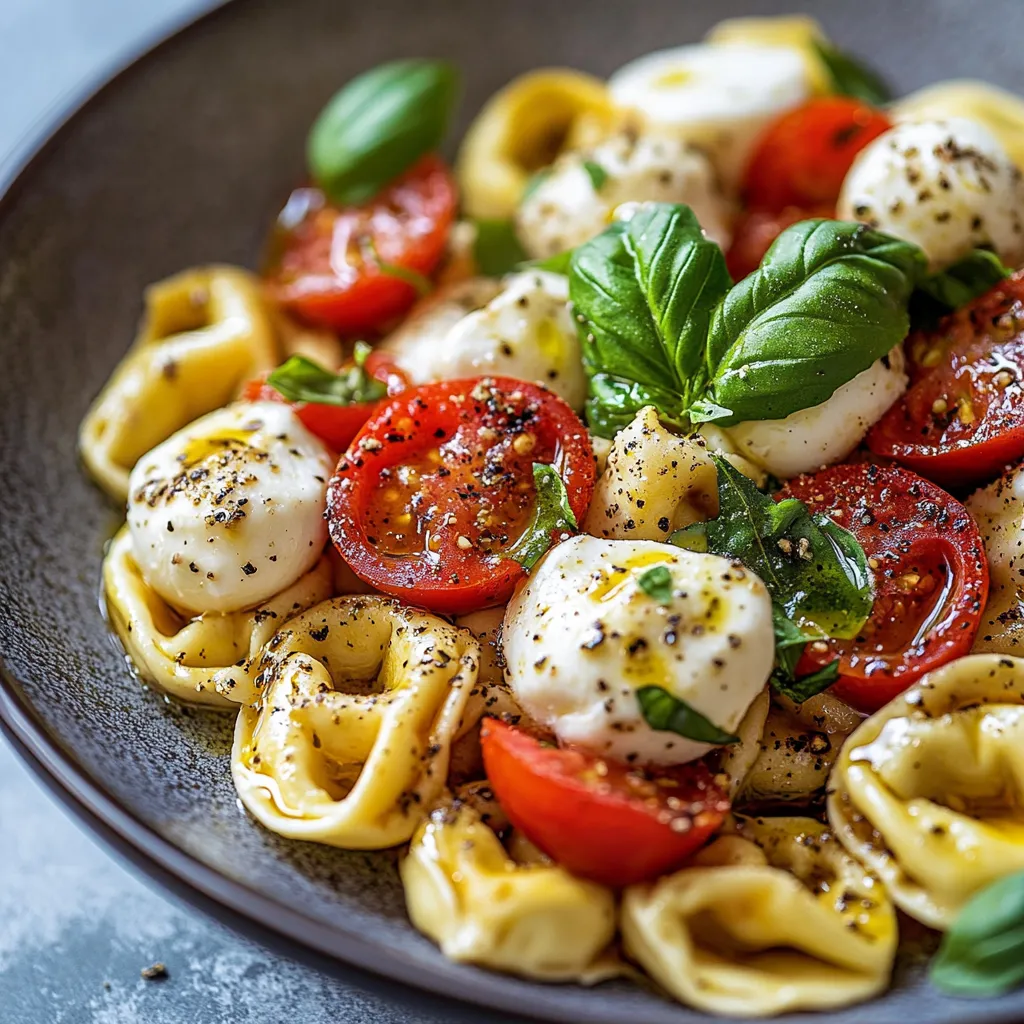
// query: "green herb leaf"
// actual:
[[550, 514], [666, 713], [496, 249], [982, 954], [799, 690], [965, 281], [379, 125], [790, 640], [535, 183], [423, 285], [597, 174], [829, 298], [557, 264], [301, 380], [852, 78], [656, 582], [646, 290]]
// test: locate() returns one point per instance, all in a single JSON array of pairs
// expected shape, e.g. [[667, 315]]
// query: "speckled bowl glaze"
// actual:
[[185, 159]]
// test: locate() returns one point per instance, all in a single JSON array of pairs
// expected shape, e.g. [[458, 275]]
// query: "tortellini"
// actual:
[[349, 743], [207, 659], [926, 791], [774, 919], [205, 332], [465, 892]]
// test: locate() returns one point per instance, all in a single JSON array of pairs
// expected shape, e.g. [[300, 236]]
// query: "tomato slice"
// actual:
[[438, 485], [325, 261], [600, 819], [930, 576], [757, 229], [803, 156], [963, 420], [335, 425]]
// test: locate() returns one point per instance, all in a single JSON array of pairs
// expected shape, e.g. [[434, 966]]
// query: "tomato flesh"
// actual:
[[600, 819], [325, 261], [757, 229], [929, 570], [962, 421], [438, 486], [803, 156]]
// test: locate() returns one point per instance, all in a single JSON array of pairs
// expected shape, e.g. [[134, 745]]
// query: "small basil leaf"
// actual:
[[423, 285], [557, 264], [379, 125], [965, 281], [829, 298], [656, 582], [666, 713], [982, 954], [597, 174], [496, 249], [852, 78], [551, 513], [799, 690], [301, 380]]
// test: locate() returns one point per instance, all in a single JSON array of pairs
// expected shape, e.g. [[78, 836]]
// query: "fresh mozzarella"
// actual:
[[813, 438], [947, 186], [576, 200], [717, 97], [582, 635], [525, 331], [229, 510]]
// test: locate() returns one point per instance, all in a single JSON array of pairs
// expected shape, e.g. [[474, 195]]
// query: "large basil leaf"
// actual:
[[379, 125], [963, 282], [644, 292], [829, 298], [850, 77]]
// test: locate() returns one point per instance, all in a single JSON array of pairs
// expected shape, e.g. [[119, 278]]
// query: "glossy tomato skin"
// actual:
[[600, 819], [756, 230], [962, 420], [929, 571], [335, 425], [438, 485], [324, 260], [803, 156]]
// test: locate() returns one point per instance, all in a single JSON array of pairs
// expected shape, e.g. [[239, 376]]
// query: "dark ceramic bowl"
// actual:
[[184, 159]]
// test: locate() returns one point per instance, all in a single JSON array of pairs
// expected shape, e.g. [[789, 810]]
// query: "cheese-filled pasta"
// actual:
[[208, 658], [349, 741], [925, 791], [204, 333], [775, 919], [467, 893]]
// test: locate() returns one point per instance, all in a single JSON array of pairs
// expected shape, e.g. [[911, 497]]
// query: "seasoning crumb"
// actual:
[[155, 972]]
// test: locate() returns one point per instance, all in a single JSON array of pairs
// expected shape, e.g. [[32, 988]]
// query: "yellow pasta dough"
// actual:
[[926, 792], [465, 892], [205, 332], [349, 743], [207, 659], [776, 918]]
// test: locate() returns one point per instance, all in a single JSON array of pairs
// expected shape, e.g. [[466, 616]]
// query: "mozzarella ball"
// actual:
[[813, 438], [947, 186], [582, 635], [569, 206], [229, 510], [525, 331], [718, 97]]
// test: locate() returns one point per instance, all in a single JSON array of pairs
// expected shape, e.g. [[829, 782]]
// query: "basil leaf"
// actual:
[[423, 285], [829, 298], [551, 513], [644, 292], [557, 264], [666, 713], [965, 281], [982, 954], [496, 249], [691, 538], [790, 640], [597, 174], [852, 78], [656, 582], [379, 125], [535, 183], [301, 380], [799, 690]]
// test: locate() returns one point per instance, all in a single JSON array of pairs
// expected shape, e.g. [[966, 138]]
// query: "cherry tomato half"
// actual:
[[600, 819], [325, 262], [757, 229], [335, 425], [803, 156], [438, 485], [930, 576], [962, 421]]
